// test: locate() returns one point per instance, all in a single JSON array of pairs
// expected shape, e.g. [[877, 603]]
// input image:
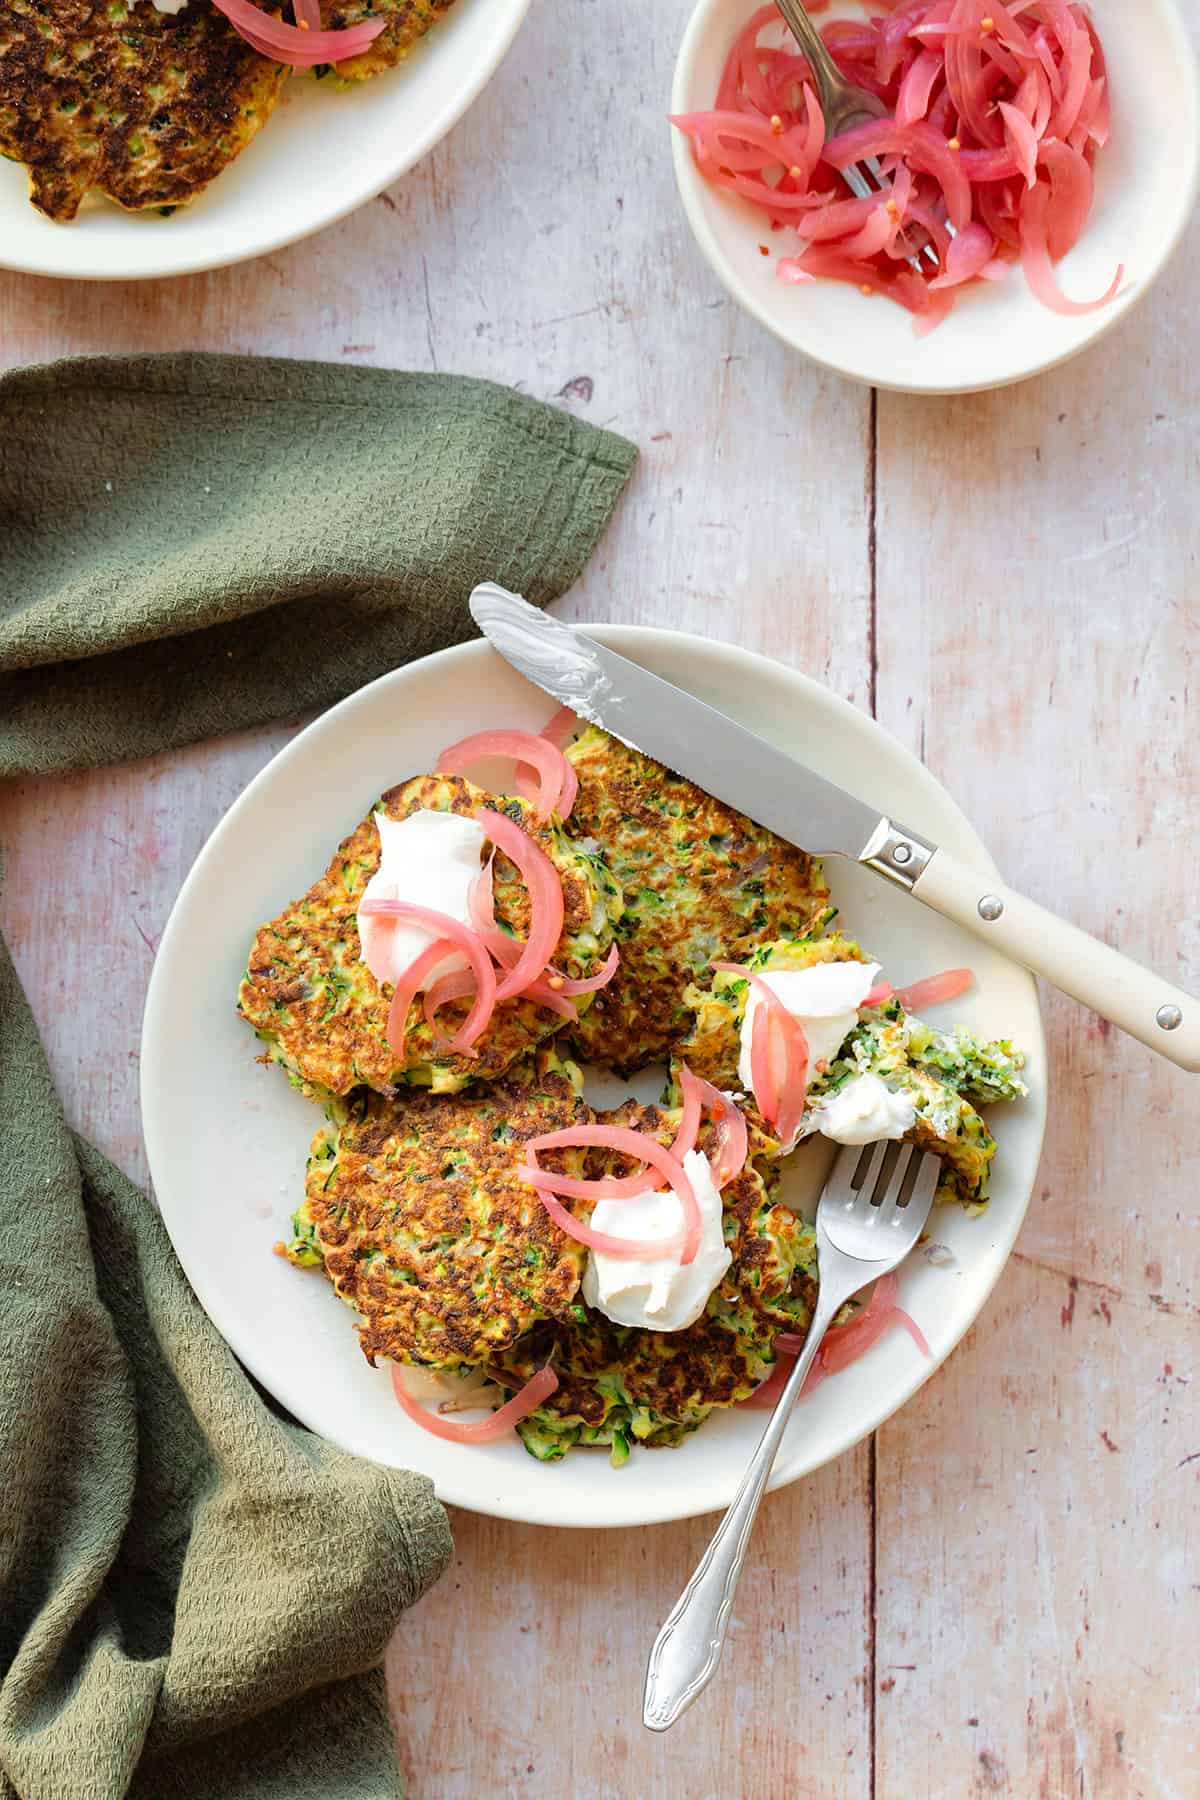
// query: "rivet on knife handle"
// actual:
[[897, 853], [1150, 1009]]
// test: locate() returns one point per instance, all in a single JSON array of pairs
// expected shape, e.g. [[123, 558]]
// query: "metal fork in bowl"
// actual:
[[844, 105], [872, 1211]]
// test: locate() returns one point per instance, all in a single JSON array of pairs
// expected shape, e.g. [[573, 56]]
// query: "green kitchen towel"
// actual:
[[195, 1592], [193, 544]]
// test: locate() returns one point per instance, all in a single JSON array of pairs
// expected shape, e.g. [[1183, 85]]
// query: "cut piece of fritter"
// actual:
[[322, 1013], [415, 1209], [147, 107], [700, 882], [943, 1073], [619, 1385], [407, 22]]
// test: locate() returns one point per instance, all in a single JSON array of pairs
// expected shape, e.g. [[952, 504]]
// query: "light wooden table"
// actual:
[[1000, 1593]]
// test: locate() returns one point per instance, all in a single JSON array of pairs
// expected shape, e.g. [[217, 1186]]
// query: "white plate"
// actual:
[[1146, 188], [323, 152], [227, 1137]]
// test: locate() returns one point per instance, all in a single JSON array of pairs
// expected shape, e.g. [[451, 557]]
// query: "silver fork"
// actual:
[[872, 1211], [844, 105]]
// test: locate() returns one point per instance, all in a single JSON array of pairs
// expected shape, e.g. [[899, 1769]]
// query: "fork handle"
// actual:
[[825, 71], [688, 1648]]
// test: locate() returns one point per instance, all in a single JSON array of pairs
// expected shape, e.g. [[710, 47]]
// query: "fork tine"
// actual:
[[866, 179], [874, 1169], [857, 182], [896, 1182]]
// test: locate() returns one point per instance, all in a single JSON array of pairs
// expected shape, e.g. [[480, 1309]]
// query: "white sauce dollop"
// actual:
[[825, 998], [864, 1111], [658, 1295], [429, 859]]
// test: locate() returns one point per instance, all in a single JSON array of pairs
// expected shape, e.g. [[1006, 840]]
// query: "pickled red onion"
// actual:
[[480, 1431], [628, 1249], [587, 984], [506, 951], [733, 1139], [407, 989], [730, 1159], [842, 1344], [553, 770], [561, 726], [626, 1142], [997, 112], [935, 988], [546, 910], [778, 1056], [461, 937], [293, 44]]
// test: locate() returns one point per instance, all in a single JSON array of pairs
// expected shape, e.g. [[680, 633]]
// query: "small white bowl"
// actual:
[[1146, 190]]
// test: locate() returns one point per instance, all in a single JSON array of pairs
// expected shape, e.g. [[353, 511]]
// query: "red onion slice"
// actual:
[[627, 1142], [546, 908], [291, 43], [986, 100], [552, 767], [461, 937], [481, 1431], [842, 1344]]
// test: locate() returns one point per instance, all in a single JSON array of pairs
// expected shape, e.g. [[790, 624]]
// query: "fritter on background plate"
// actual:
[[700, 882], [415, 1209], [320, 1010], [144, 106], [407, 23]]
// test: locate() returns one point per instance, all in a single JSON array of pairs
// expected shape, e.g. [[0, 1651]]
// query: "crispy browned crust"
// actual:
[[427, 1229], [700, 881], [407, 21], [307, 990], [146, 106]]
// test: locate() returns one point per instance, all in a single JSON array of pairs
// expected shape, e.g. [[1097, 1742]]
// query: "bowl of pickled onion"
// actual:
[[1039, 164]]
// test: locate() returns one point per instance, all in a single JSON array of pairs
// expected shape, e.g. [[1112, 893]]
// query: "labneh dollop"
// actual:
[[825, 998], [864, 1111], [429, 859], [659, 1295]]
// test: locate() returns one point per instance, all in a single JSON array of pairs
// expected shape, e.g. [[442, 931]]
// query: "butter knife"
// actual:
[[792, 800]]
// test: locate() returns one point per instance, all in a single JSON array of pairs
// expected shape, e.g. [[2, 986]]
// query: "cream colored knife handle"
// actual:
[[1141, 1003]]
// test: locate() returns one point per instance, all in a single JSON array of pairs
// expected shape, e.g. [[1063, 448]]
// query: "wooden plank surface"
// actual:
[[999, 1595]]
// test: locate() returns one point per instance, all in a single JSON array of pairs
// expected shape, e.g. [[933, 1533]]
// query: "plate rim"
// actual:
[[625, 639], [202, 263]]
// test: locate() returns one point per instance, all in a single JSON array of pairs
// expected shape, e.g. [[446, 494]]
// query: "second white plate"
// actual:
[[323, 152]]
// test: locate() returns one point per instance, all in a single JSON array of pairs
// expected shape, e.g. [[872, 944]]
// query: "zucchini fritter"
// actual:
[[416, 1211], [145, 106], [407, 22], [700, 881], [619, 1385], [944, 1073], [320, 1010]]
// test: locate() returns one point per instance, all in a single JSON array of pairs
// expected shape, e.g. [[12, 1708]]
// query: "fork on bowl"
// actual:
[[843, 105], [872, 1210]]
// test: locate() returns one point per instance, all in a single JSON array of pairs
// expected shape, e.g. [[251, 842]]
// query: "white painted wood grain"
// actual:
[[1038, 638], [940, 1614]]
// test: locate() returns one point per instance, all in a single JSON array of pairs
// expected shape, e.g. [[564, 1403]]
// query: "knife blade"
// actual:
[[796, 803], [689, 736]]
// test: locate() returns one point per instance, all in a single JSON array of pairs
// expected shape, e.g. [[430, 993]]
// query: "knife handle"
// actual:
[[1148, 1008]]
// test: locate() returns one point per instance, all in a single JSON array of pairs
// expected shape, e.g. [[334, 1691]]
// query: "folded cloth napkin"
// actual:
[[192, 544], [195, 1592]]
